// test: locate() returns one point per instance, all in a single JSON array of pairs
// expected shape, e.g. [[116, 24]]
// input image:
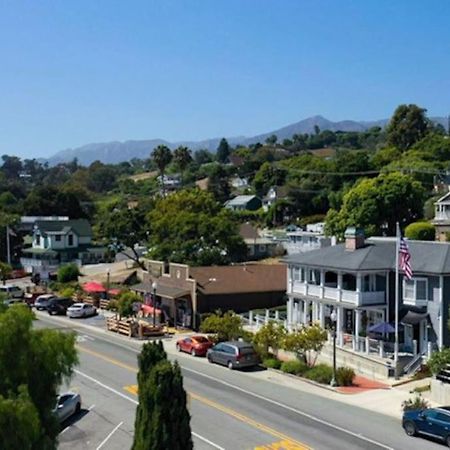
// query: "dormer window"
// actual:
[[38, 239], [70, 240]]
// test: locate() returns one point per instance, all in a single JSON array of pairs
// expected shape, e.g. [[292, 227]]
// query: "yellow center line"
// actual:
[[231, 412]]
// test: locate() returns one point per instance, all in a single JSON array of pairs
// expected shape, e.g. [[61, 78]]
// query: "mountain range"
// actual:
[[116, 152]]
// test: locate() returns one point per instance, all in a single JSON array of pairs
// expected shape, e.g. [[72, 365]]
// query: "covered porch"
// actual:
[[174, 303]]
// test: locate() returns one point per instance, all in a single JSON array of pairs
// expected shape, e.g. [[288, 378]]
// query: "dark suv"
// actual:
[[59, 305], [233, 354], [430, 422]]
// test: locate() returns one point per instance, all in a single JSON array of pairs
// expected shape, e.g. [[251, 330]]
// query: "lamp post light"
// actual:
[[333, 318], [154, 286], [108, 278]]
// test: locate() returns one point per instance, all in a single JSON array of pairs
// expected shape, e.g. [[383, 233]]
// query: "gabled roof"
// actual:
[[240, 279], [378, 254], [248, 231], [81, 227]]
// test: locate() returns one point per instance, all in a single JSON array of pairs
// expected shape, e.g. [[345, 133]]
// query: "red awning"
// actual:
[[147, 309], [93, 287]]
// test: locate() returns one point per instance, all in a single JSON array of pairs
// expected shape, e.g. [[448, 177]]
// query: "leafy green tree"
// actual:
[[385, 156], [269, 336], [307, 342], [190, 227], [272, 139], [422, 231], [267, 176], [162, 156], [68, 272], [5, 271], [123, 228], [407, 126], [125, 303], [203, 156], [182, 157], [226, 327], [223, 151], [19, 421], [33, 364], [12, 166], [377, 204], [218, 184], [162, 417]]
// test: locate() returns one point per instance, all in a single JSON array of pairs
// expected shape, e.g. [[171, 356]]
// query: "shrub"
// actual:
[[68, 292], [294, 367], [422, 231], [270, 335], [68, 272], [126, 303], [415, 403], [438, 360], [320, 373], [226, 326], [272, 363], [345, 376], [423, 372]]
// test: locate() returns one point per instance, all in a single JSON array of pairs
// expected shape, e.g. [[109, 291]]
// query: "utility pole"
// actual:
[[8, 245]]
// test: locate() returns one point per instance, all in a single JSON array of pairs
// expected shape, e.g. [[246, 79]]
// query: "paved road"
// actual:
[[230, 409]]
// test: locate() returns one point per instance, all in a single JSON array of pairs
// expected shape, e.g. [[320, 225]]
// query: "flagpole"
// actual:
[[397, 285]]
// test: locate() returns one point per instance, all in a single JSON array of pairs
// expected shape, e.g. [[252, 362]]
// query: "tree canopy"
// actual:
[[191, 227], [33, 364]]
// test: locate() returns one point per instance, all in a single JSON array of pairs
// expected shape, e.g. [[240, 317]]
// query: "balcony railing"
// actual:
[[338, 295], [442, 215]]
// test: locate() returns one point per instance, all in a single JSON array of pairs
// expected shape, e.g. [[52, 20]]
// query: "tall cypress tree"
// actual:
[[162, 418]]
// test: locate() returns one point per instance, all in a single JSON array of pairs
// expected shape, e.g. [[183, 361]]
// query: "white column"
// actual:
[[250, 318], [322, 315], [356, 328], [289, 311], [322, 282], [358, 288], [339, 286], [314, 311], [305, 311], [277, 315], [267, 317], [295, 321]]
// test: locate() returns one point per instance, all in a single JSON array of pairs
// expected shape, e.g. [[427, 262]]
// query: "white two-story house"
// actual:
[[55, 242], [356, 279]]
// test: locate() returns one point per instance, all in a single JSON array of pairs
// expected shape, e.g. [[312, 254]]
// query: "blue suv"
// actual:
[[433, 422]]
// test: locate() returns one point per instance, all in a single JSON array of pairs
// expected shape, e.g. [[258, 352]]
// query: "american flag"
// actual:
[[405, 259]]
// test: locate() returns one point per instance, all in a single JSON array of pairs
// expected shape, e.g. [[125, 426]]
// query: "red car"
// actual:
[[195, 345]]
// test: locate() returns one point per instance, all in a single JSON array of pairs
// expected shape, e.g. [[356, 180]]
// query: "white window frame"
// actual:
[[415, 280]]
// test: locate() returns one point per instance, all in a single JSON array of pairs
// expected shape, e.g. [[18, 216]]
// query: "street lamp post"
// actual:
[[154, 286], [333, 318], [108, 279]]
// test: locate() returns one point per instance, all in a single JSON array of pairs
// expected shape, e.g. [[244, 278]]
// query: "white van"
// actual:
[[11, 291]]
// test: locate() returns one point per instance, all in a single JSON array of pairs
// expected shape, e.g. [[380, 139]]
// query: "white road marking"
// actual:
[[289, 408], [132, 400], [91, 407], [65, 429], [109, 436], [261, 397]]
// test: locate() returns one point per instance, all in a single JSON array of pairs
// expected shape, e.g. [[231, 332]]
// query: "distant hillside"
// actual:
[[115, 152]]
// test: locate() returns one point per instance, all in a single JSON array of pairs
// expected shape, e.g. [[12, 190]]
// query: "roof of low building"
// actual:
[[81, 227], [240, 279], [248, 231], [241, 200], [427, 257]]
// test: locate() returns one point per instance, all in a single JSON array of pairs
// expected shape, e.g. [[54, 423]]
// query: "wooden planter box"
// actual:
[[124, 326]]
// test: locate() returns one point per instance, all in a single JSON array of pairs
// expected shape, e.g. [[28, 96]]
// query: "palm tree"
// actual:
[[162, 157], [182, 157]]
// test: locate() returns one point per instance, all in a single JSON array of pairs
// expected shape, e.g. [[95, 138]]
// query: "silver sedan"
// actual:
[[68, 404]]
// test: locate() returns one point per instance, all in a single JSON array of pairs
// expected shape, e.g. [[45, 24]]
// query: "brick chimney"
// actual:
[[354, 238]]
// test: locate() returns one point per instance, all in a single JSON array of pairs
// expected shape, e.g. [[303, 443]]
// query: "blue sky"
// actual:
[[74, 72]]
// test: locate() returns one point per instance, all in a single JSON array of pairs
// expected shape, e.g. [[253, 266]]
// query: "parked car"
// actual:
[[67, 405], [11, 290], [195, 345], [59, 305], [13, 301], [81, 310], [43, 300], [434, 422], [233, 354]]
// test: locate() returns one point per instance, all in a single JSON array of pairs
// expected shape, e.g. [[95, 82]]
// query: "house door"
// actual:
[[409, 336]]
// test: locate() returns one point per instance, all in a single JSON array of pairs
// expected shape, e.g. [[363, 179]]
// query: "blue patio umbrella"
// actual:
[[382, 327]]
